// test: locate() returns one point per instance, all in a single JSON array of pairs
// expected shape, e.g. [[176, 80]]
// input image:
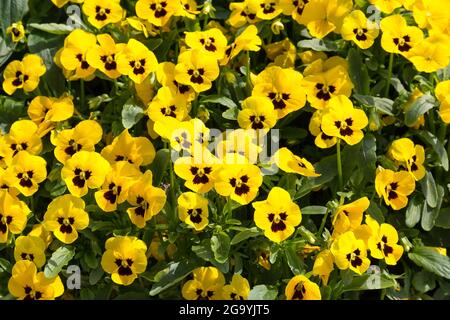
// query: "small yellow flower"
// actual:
[[207, 284], [394, 187], [257, 113], [301, 288], [243, 13], [66, 216], [104, 56], [124, 259], [211, 41], [239, 289], [157, 12], [278, 215], [193, 210], [350, 253], [102, 12], [13, 215], [357, 28], [17, 31], [289, 162], [30, 248], [28, 284], [349, 216], [343, 121], [410, 156], [23, 74], [136, 61], [397, 36], [323, 265]]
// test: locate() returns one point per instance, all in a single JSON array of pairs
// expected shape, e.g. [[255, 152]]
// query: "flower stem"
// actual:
[[249, 81], [388, 84], [82, 95], [339, 164]]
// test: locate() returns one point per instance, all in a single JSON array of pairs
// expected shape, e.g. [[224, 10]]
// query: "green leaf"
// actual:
[[171, 275], [429, 189], [220, 246], [263, 292], [430, 260], [314, 210], [375, 212], [95, 275], [424, 281], [368, 154], [244, 235], [40, 40], [383, 105], [358, 72], [419, 108], [231, 113], [53, 28], [318, 45], [5, 51], [59, 259], [436, 145], [370, 282], [413, 211], [293, 261], [429, 214], [443, 219], [159, 165], [204, 251], [10, 110], [131, 114], [12, 11], [227, 102], [5, 265]]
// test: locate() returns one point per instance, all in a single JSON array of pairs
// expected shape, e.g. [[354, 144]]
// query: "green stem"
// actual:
[[82, 95], [249, 81], [339, 165], [432, 122], [442, 133], [388, 84], [172, 194], [322, 224]]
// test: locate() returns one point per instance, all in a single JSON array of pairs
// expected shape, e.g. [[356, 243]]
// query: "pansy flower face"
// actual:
[[394, 187], [278, 215], [243, 13], [146, 200], [238, 142], [268, 9], [85, 170], [349, 216], [114, 190], [17, 31], [23, 74], [211, 42], [28, 284], [22, 136], [13, 215], [136, 61], [30, 248], [298, 9], [289, 162], [73, 54], [136, 150], [430, 54], [104, 56], [166, 77], [323, 265], [102, 12], [410, 156], [124, 259], [257, 113], [350, 253], [66, 216], [45, 112], [157, 12], [168, 103], [282, 87], [397, 36], [322, 140], [198, 173], [383, 242], [320, 88], [357, 28], [193, 210], [188, 9], [237, 290], [240, 182], [301, 288], [26, 172], [84, 136], [197, 70], [343, 121], [207, 284]]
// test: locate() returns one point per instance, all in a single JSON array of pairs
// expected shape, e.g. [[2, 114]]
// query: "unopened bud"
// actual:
[[277, 26]]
